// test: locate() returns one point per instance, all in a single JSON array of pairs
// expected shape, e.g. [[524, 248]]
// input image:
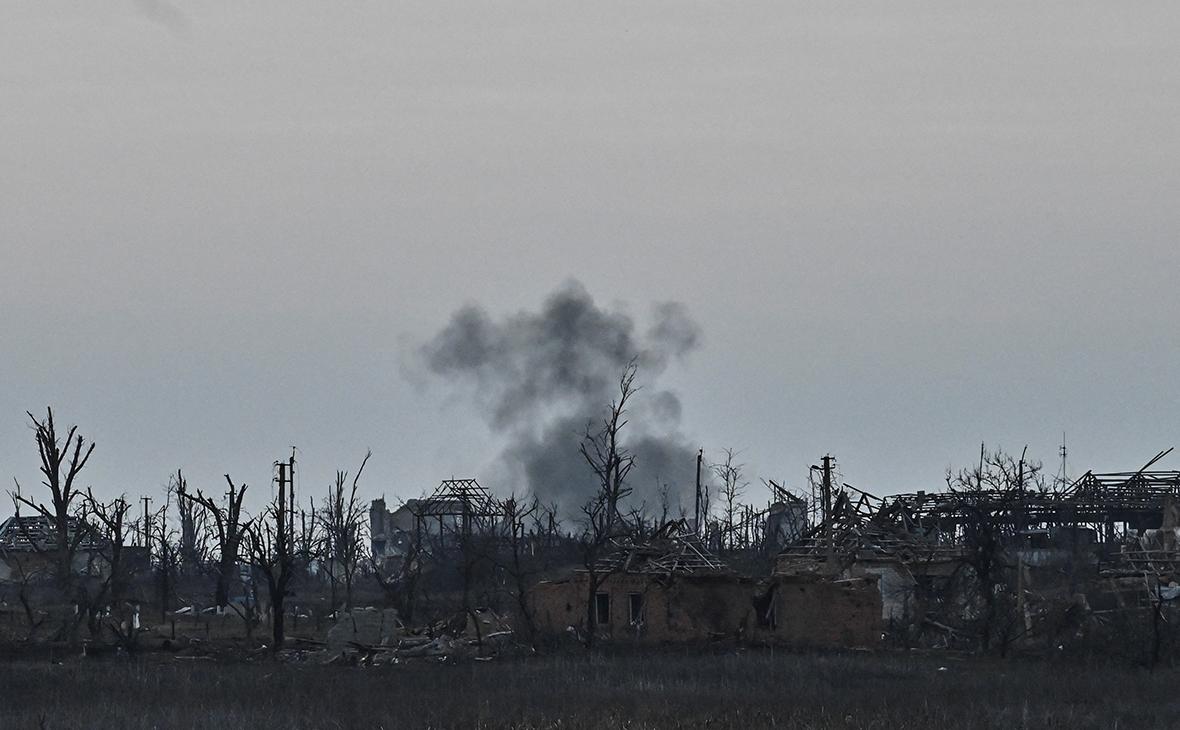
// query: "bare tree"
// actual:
[[517, 565], [731, 489], [229, 529], [342, 521], [611, 463], [169, 563], [271, 550], [27, 576], [307, 539], [477, 561], [61, 462], [990, 496], [115, 529], [65, 515], [664, 490], [636, 522], [193, 548], [401, 588], [546, 523]]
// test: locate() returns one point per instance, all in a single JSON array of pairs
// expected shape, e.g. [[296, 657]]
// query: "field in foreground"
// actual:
[[748, 689]]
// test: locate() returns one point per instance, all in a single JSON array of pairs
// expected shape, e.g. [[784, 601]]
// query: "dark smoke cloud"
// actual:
[[540, 377]]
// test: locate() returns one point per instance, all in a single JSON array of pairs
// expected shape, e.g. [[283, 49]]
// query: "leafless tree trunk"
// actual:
[[193, 548], [547, 523], [272, 552], [342, 523], [991, 496], [26, 579], [665, 493], [112, 518], [307, 540], [611, 462], [229, 530], [168, 560], [61, 461], [477, 548], [515, 515], [117, 529], [401, 589], [731, 489]]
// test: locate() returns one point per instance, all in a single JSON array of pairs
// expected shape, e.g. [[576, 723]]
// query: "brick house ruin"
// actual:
[[1070, 557], [28, 550], [670, 589]]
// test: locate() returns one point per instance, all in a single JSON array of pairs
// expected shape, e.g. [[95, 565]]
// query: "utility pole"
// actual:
[[1062, 479], [1024, 521], [826, 492], [165, 565], [147, 526], [303, 533], [291, 498], [697, 516], [281, 509], [280, 559]]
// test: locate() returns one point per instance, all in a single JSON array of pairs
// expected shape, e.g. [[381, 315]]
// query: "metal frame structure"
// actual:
[[931, 526], [1132, 500], [462, 508]]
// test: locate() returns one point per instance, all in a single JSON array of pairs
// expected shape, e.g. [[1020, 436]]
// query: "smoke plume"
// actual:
[[540, 377]]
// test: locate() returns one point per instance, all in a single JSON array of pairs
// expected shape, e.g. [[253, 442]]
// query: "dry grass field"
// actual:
[[667, 690]]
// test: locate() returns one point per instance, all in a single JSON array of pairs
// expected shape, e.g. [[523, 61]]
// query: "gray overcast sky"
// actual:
[[904, 227]]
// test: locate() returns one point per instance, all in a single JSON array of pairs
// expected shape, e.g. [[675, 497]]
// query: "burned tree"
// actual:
[[229, 529], [115, 528], [342, 525], [307, 539], [401, 587], [61, 462], [168, 560], [515, 564], [991, 497], [271, 547], [193, 546], [731, 488], [611, 462]]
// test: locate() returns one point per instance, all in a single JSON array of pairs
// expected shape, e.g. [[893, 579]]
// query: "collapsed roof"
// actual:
[[673, 549], [928, 526], [37, 533]]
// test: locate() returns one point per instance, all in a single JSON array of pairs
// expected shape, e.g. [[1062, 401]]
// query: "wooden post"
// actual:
[[697, 517], [826, 492], [147, 526]]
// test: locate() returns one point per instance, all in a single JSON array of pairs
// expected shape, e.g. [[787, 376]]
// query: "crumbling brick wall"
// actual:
[[556, 605], [697, 607], [682, 608], [806, 612], [824, 613]]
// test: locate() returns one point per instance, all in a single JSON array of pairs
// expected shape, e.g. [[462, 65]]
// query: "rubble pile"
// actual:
[[372, 637]]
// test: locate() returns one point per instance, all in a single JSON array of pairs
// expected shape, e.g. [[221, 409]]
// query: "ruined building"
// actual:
[[671, 589], [1105, 542], [456, 510]]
